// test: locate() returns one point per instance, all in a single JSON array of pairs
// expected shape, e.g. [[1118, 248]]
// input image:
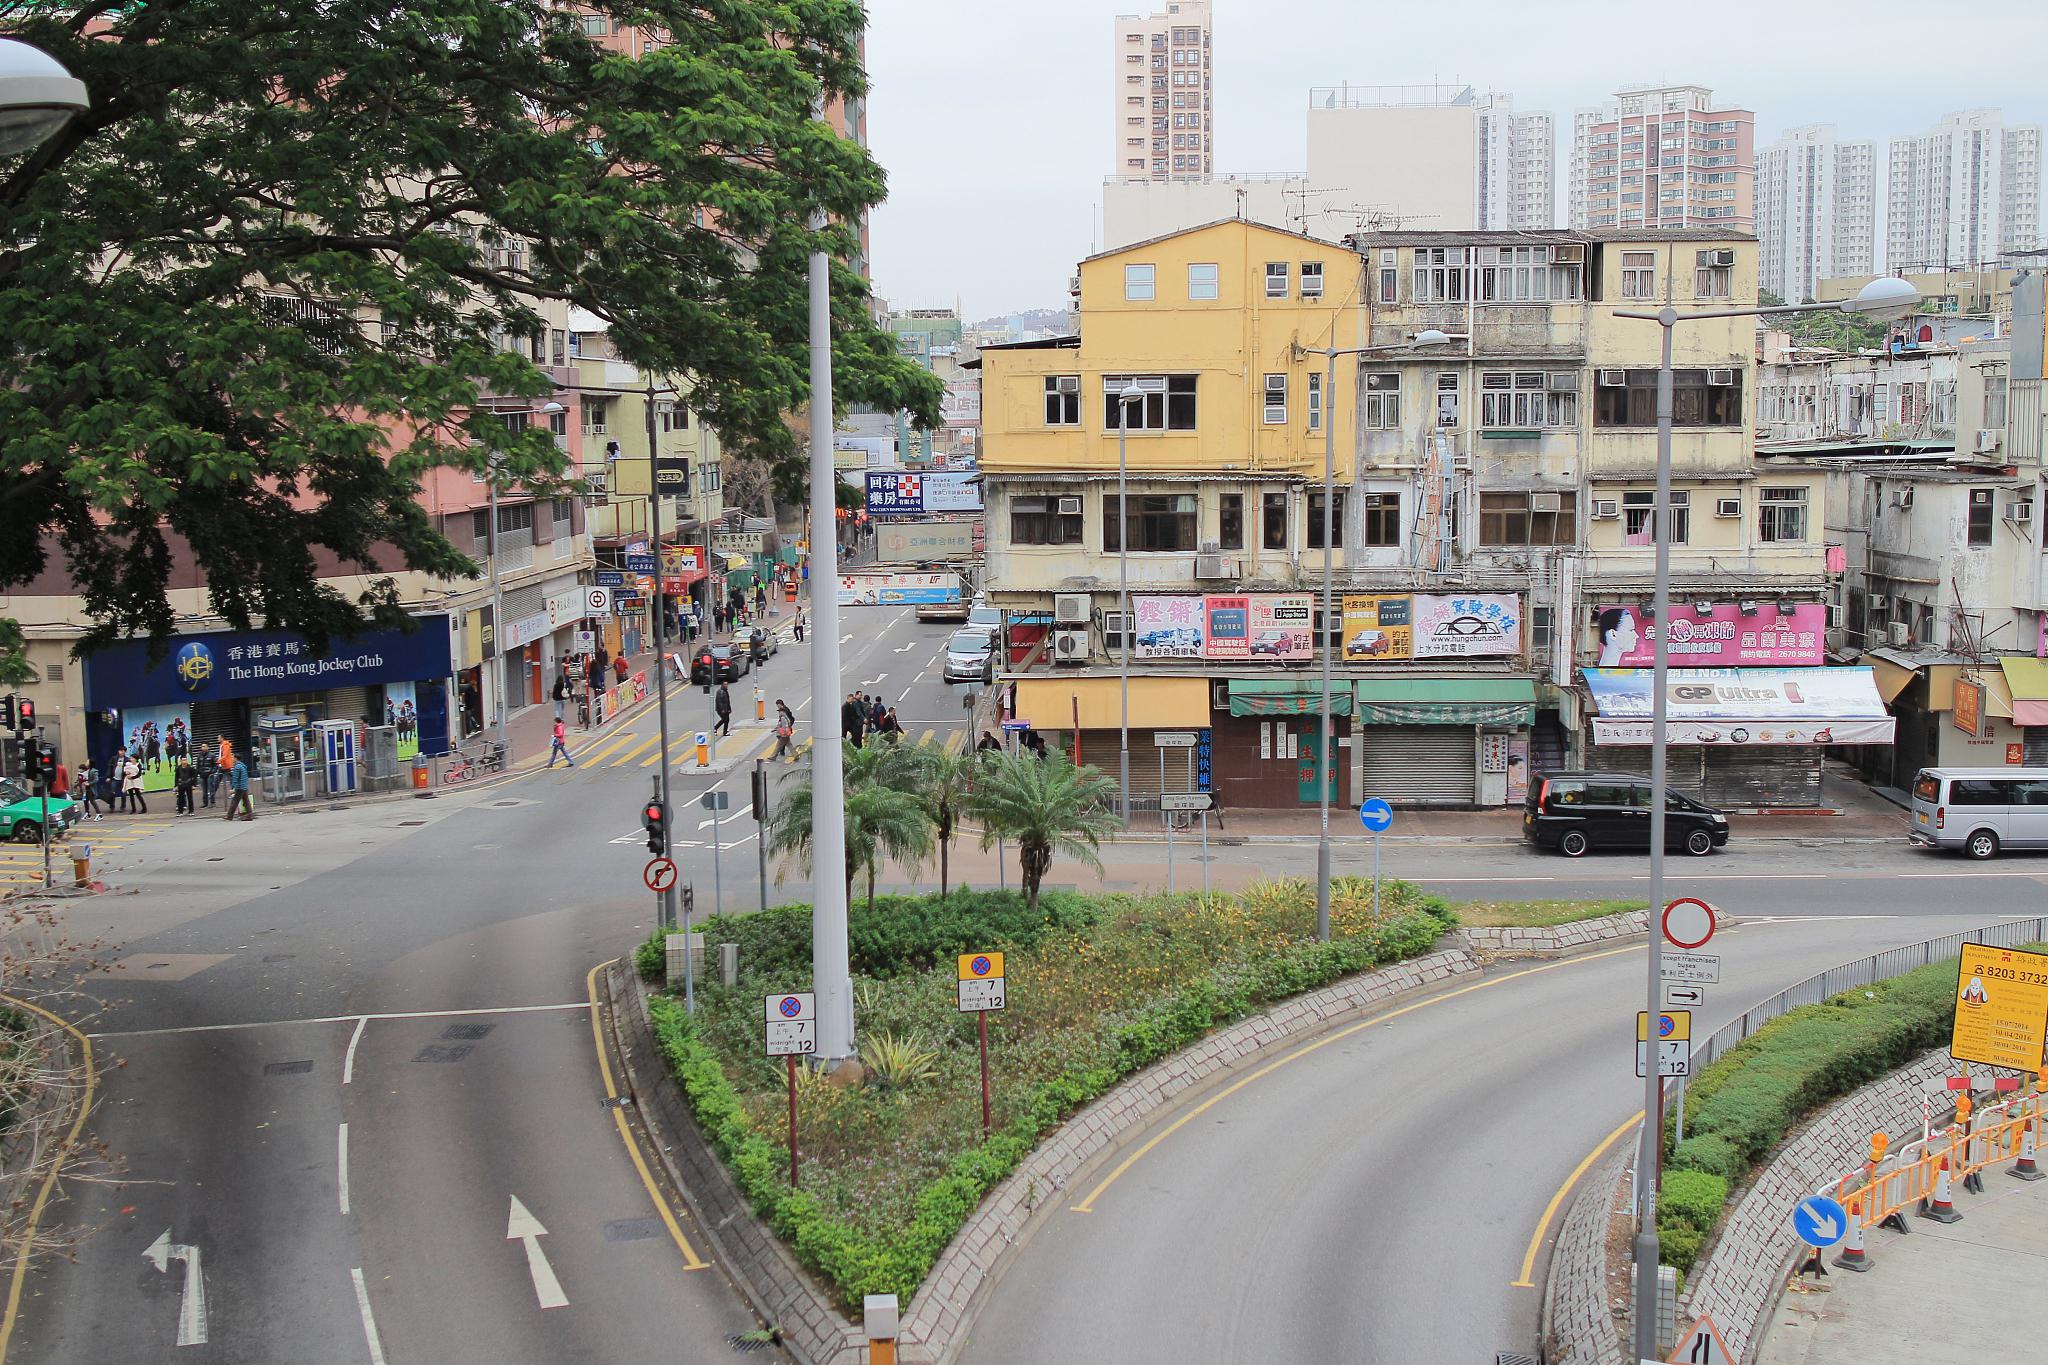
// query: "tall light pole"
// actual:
[[37, 96], [1129, 394], [668, 897], [1881, 298], [1324, 766]]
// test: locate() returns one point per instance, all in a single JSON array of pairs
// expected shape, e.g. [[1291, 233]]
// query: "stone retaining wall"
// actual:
[[1494, 942], [1578, 1319]]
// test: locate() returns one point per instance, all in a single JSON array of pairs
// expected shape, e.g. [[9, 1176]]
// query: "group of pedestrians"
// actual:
[[119, 788], [861, 715]]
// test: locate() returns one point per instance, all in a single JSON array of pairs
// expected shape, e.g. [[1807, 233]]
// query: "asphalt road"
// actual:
[[1373, 1200], [344, 1042]]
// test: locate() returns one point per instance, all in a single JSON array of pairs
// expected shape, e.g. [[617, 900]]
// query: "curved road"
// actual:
[[1371, 1199]]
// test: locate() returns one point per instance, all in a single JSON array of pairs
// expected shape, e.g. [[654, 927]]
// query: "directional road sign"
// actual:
[[1673, 1043], [660, 874], [1186, 800], [791, 1023], [1376, 815], [1820, 1221], [1694, 969], [981, 982], [1688, 922], [1684, 997], [1173, 739]]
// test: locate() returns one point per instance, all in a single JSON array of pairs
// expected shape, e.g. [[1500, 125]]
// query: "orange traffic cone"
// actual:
[[1853, 1256], [1939, 1209], [2024, 1168]]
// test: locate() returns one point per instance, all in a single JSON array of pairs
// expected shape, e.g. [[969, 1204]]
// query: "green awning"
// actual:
[[1286, 697], [1447, 701]]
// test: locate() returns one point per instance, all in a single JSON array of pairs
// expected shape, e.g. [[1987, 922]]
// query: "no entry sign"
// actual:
[[1688, 923]]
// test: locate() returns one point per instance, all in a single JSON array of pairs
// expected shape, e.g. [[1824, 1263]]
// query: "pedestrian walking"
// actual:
[[722, 705], [561, 745], [889, 727], [799, 625], [60, 782], [238, 792], [989, 744], [210, 778], [561, 692], [760, 600], [877, 712], [185, 782], [853, 719], [619, 670], [88, 791], [785, 730], [132, 801]]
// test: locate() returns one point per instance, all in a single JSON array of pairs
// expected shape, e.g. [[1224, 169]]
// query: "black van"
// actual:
[[1575, 813]]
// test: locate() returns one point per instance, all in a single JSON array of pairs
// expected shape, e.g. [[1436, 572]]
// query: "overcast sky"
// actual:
[[992, 117]]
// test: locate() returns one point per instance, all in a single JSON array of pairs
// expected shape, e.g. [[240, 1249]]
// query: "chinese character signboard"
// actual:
[[905, 494], [1378, 627], [220, 665], [1467, 627], [1168, 627], [1229, 627], [1969, 709], [897, 589], [1724, 637], [1283, 627], [2001, 1007]]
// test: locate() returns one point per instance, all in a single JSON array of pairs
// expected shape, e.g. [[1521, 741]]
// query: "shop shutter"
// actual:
[[1099, 749], [1763, 775], [348, 703], [1419, 765], [2037, 746], [1682, 764], [213, 721]]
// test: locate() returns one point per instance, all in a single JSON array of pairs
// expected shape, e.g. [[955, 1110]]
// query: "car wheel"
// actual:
[[1573, 843], [1980, 845], [1699, 843], [25, 832]]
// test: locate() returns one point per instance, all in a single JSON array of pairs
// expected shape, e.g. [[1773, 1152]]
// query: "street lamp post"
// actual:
[[37, 96], [1129, 394], [668, 897], [1881, 298], [1325, 763]]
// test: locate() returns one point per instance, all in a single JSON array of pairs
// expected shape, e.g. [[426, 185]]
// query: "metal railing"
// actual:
[[1865, 972]]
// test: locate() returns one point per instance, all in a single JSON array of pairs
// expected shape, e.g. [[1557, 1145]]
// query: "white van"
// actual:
[[1980, 810]]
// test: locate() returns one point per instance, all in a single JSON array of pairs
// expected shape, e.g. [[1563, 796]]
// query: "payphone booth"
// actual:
[[336, 746], [280, 740]]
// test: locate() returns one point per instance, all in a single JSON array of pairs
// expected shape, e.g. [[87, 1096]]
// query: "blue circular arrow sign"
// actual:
[[1375, 814], [1820, 1221]]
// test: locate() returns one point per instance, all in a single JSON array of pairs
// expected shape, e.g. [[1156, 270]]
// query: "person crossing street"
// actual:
[[722, 705], [238, 792], [561, 745]]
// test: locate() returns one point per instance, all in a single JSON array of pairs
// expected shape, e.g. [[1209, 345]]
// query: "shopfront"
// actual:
[[1444, 741], [1081, 713], [1744, 738], [215, 686], [1268, 742], [2026, 681], [1950, 712]]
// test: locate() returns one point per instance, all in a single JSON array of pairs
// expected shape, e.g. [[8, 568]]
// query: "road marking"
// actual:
[[1550, 1209], [691, 1261], [906, 694], [341, 1165], [348, 1063], [524, 1228], [608, 746], [192, 1299], [876, 681], [63, 1153], [907, 648], [955, 742], [637, 749], [369, 1318], [335, 1019], [1087, 1205], [845, 639], [1748, 920]]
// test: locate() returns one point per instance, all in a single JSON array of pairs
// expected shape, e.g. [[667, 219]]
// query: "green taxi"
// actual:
[[21, 814]]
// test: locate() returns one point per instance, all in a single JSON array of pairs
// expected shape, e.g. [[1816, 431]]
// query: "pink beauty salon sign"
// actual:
[[1725, 638]]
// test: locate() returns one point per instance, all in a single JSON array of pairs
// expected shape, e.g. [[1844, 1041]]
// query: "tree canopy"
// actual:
[[254, 294]]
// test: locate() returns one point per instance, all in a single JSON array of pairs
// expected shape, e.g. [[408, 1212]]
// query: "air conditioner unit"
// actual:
[[1878, 601], [1987, 441], [2021, 512], [1546, 502], [1834, 616], [1070, 608], [1727, 507], [1613, 379], [1721, 379], [1725, 256], [1215, 566], [1900, 634], [1070, 646], [1461, 460], [1566, 380], [1606, 509], [1902, 498], [1375, 501], [1070, 507]]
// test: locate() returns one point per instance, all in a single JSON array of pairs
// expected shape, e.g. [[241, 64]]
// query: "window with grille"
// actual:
[[1063, 400], [1696, 401], [1781, 515], [1638, 515], [1159, 522], [1982, 513], [1382, 407], [1447, 399], [1522, 519], [1525, 400]]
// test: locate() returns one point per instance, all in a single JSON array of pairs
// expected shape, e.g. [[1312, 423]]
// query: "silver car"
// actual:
[[970, 656]]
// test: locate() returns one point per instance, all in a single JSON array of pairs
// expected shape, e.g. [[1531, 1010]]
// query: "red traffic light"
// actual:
[[24, 714], [653, 812]]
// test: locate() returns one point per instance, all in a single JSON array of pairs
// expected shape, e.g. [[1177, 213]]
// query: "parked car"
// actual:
[[760, 643], [717, 664], [983, 615], [21, 814], [970, 656], [1577, 812], [1980, 810]]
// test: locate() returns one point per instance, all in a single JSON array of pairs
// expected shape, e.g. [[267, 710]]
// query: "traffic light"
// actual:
[[760, 776], [37, 764], [24, 715], [656, 816]]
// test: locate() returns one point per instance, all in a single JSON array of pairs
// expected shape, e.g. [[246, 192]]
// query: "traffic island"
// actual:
[[1113, 1009]]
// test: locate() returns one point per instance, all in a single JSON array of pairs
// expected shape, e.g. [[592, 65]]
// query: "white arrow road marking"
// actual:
[[192, 1303], [907, 648], [524, 1227]]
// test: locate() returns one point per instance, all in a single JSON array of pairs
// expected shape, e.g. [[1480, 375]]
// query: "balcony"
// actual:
[[1531, 331]]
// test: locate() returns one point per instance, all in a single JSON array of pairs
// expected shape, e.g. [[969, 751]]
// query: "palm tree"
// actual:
[[885, 815], [943, 783], [1047, 805]]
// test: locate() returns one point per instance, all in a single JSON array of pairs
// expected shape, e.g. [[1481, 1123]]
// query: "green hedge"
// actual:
[[854, 1264], [901, 934], [1739, 1108]]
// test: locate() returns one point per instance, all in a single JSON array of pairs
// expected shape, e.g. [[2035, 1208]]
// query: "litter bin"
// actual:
[[422, 776]]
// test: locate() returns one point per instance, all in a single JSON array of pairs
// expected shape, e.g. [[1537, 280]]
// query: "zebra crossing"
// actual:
[[743, 745], [22, 864]]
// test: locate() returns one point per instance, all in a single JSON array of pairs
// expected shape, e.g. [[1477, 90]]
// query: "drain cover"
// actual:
[[746, 1343], [470, 1032], [408, 824], [508, 803], [434, 1052], [287, 1068], [632, 1229]]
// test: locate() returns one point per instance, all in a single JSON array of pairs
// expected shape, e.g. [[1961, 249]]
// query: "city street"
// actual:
[[346, 1041]]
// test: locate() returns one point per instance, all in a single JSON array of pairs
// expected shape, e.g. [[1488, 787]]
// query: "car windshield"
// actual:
[[9, 793], [968, 641], [985, 616]]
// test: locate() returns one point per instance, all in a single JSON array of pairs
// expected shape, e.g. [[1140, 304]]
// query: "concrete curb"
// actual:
[[1495, 942]]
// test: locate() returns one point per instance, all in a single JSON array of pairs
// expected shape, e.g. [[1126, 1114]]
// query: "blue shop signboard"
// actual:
[[222, 665]]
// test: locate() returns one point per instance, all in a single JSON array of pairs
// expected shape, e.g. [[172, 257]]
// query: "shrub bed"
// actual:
[[1098, 988]]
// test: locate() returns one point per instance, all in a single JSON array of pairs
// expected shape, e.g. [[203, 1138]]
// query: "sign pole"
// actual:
[[981, 1019], [1205, 858], [1169, 856], [761, 824], [791, 1059], [689, 958], [1375, 875]]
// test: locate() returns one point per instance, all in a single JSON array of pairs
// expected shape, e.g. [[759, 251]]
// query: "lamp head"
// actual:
[[1430, 336], [551, 407], [1883, 299], [1131, 393], [37, 96]]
